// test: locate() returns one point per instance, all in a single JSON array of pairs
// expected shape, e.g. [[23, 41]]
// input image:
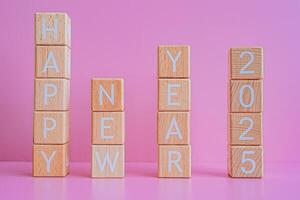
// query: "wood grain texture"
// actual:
[[167, 55], [241, 123], [49, 98], [56, 155], [108, 85], [174, 161], [51, 127], [52, 62], [237, 91], [240, 158], [174, 94], [63, 34], [108, 128], [239, 57], [111, 158], [173, 127]]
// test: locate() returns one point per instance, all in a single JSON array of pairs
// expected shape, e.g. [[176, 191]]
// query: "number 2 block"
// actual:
[[245, 161]]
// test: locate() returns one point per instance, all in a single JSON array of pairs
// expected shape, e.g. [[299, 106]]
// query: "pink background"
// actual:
[[119, 39]]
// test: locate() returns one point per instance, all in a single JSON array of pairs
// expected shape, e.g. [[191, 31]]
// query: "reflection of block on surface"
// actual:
[[246, 96], [174, 94], [173, 127], [52, 94], [107, 161], [52, 62], [51, 127], [52, 29], [107, 94], [245, 128], [245, 161], [174, 161], [108, 128], [50, 160], [174, 61]]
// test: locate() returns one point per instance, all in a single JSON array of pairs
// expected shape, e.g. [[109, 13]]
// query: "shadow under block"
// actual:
[[108, 128], [174, 161], [52, 62], [246, 96], [107, 161], [246, 63], [50, 160], [173, 127], [245, 129], [107, 94], [52, 94], [174, 94], [52, 29], [51, 127], [245, 161], [174, 61]]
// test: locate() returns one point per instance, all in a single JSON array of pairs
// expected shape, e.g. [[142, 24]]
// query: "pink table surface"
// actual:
[[209, 181]]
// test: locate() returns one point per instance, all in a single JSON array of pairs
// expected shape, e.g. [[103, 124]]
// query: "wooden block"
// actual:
[[245, 129], [174, 161], [52, 29], [52, 62], [246, 96], [245, 161], [246, 63], [107, 94], [107, 161], [108, 128], [173, 127], [52, 94], [174, 94], [50, 160], [51, 127], [174, 61]]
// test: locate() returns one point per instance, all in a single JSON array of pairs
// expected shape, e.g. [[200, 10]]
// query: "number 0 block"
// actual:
[[245, 161]]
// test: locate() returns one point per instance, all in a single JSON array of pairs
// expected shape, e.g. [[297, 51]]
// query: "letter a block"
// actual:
[[174, 161], [107, 161], [50, 160]]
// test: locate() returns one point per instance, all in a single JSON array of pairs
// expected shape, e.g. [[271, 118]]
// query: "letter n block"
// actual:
[[174, 161], [50, 160], [107, 161]]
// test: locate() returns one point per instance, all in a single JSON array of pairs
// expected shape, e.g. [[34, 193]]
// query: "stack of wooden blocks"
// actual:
[[52, 91], [245, 152], [108, 127], [173, 118]]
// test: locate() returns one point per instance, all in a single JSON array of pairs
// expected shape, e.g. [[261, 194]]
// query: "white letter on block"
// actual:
[[50, 58], [174, 60], [46, 29], [110, 98], [175, 162], [175, 125], [48, 161], [111, 165], [170, 93], [46, 94], [48, 129], [103, 127]]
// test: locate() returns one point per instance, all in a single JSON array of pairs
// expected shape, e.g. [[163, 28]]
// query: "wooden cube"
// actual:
[[51, 127], [246, 63], [107, 94], [174, 94], [107, 161], [108, 128], [245, 129], [52, 62], [174, 61], [246, 96], [245, 161], [174, 161], [52, 29], [50, 160], [173, 127], [52, 94]]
